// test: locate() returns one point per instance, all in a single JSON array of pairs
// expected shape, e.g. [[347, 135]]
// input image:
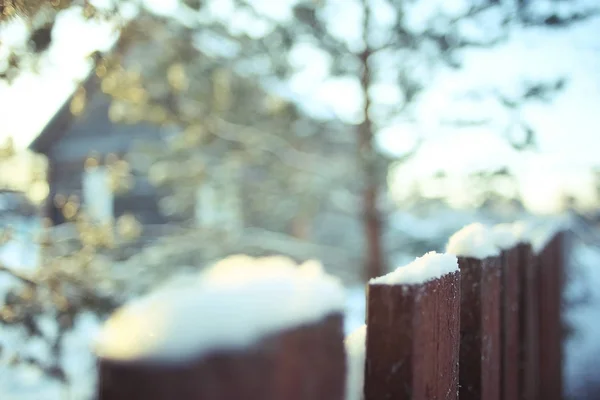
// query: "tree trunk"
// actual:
[[374, 260]]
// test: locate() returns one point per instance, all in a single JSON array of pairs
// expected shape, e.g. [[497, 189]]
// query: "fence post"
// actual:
[[480, 351], [511, 308], [530, 322], [412, 333], [271, 334], [551, 260]]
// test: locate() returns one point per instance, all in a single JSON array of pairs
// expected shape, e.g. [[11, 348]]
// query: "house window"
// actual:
[[218, 206], [98, 198]]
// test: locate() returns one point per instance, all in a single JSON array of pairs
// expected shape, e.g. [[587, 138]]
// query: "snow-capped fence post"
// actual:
[[412, 332], [255, 329], [551, 267], [480, 344]]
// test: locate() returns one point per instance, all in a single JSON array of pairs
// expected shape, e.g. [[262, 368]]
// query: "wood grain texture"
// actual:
[[480, 344], [413, 340], [530, 340], [551, 281], [511, 371]]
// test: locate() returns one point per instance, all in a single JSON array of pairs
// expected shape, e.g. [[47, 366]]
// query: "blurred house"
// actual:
[[69, 140], [298, 196]]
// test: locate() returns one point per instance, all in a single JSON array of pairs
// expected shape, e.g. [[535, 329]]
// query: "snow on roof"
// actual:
[[234, 303], [355, 344], [475, 240], [426, 268]]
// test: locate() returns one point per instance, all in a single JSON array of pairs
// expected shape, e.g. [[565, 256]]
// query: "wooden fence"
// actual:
[[491, 331]]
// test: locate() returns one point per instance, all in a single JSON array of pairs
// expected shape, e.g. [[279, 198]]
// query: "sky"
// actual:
[[567, 126]]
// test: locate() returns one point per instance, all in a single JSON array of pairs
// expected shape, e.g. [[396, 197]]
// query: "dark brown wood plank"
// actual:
[[306, 363], [412, 343], [531, 343], [480, 346], [551, 280], [510, 333]]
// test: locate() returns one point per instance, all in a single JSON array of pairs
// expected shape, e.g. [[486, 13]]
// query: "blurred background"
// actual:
[[144, 139]]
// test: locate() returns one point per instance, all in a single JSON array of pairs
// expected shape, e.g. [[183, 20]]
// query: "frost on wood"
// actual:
[[426, 268], [475, 241], [355, 356], [231, 305]]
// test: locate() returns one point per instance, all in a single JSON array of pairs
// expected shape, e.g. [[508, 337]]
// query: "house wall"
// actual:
[[94, 133]]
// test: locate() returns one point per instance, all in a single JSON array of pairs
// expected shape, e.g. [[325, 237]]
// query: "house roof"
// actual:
[[58, 125]]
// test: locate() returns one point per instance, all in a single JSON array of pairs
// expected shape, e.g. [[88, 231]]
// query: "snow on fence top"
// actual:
[[232, 305], [475, 240], [426, 268], [541, 232], [355, 344], [506, 236], [538, 232]]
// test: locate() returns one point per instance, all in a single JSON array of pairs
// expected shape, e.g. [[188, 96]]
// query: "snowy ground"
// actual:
[[582, 349], [20, 381]]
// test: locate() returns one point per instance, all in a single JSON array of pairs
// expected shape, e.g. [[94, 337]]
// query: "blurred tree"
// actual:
[[209, 78], [196, 52]]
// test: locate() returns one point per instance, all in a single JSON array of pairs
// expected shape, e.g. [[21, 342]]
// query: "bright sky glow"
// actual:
[[567, 126]]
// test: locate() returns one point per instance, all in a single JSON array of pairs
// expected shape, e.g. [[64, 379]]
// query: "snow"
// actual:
[[355, 308], [540, 235], [583, 316], [424, 269], [475, 240], [505, 236], [539, 231], [25, 382], [234, 304], [20, 252], [355, 345]]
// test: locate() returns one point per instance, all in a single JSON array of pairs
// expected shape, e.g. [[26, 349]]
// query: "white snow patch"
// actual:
[[546, 231], [356, 305], [475, 240], [234, 303], [539, 232], [355, 345], [506, 236], [426, 268]]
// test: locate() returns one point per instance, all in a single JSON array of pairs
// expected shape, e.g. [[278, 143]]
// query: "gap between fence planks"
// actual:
[[305, 363], [412, 341]]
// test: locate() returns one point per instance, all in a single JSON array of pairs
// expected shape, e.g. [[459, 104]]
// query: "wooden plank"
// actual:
[[305, 363], [480, 328], [412, 340], [511, 320], [531, 344], [551, 261]]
